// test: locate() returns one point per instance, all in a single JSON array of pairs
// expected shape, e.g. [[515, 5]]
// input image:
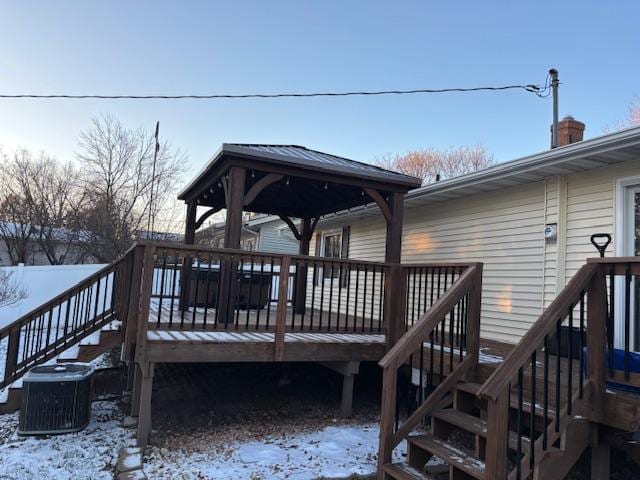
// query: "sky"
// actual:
[[198, 47]]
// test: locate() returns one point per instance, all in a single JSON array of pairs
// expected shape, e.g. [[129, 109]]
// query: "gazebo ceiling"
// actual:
[[299, 182]]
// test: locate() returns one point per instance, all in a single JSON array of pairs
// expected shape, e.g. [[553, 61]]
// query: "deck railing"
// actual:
[[558, 370], [208, 288], [440, 346], [63, 321]]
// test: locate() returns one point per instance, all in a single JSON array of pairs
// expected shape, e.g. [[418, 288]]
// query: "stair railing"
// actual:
[[441, 345], [545, 376], [63, 321]]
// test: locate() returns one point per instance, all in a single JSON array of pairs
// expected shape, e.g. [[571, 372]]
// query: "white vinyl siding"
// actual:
[[591, 209], [504, 230], [275, 239]]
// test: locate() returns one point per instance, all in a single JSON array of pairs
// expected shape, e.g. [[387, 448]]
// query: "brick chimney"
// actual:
[[569, 131]]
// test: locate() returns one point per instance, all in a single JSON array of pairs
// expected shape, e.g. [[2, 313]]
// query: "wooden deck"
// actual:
[[174, 346]]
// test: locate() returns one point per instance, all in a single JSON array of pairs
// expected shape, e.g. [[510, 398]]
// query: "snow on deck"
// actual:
[[252, 337]]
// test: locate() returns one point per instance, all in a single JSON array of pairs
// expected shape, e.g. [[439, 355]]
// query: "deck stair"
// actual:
[[458, 434], [528, 417]]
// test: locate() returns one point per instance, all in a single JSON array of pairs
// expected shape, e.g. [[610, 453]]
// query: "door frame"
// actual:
[[621, 240]]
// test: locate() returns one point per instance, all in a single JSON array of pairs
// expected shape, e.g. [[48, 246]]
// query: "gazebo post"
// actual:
[[189, 239], [306, 232], [395, 297], [235, 191]]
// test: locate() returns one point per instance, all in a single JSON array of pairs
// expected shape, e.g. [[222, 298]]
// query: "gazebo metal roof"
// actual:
[[300, 182]]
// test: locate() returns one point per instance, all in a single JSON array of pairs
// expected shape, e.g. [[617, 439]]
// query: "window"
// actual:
[[331, 248], [249, 244]]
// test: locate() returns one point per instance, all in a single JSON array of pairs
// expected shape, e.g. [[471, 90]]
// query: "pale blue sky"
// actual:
[[202, 47]]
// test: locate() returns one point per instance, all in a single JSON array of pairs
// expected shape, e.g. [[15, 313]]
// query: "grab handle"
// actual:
[[601, 247]]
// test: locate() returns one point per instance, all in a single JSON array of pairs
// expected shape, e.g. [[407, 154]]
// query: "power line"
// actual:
[[536, 89]]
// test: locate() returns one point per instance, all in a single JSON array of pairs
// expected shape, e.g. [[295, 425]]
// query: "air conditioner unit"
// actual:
[[56, 399]]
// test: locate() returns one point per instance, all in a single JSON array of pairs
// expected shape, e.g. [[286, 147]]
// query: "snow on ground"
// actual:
[[87, 455], [333, 452]]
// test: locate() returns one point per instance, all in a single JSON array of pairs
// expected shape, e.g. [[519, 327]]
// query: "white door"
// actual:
[[628, 245]]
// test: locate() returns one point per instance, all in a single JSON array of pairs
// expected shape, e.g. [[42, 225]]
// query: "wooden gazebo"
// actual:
[[292, 182]]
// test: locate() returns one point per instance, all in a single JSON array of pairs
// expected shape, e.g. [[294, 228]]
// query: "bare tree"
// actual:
[[41, 202], [430, 163], [11, 290], [632, 120], [633, 114], [16, 225], [118, 174]]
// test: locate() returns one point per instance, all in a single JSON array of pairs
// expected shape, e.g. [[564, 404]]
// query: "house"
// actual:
[[528, 220], [261, 233], [399, 278], [63, 245]]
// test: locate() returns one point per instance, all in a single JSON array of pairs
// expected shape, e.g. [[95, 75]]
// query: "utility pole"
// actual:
[[151, 223], [554, 89]]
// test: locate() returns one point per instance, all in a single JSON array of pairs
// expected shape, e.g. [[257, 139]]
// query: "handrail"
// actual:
[[411, 340], [463, 297], [160, 245], [531, 341], [70, 316], [233, 251], [4, 331]]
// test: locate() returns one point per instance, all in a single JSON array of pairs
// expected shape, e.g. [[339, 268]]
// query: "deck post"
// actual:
[[142, 318], [189, 239], [232, 232], [144, 404], [300, 290], [131, 322], [475, 305], [281, 311], [393, 247], [346, 404], [497, 434], [387, 418], [394, 304], [600, 461], [596, 341], [348, 370], [394, 281]]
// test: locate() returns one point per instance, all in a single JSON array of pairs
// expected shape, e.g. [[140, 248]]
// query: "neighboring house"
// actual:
[[72, 251], [262, 233], [529, 220], [159, 236]]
